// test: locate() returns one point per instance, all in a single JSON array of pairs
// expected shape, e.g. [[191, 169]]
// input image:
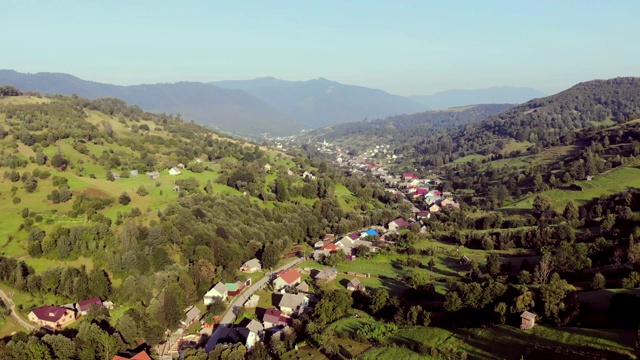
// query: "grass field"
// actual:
[[390, 353], [468, 158], [594, 304], [615, 181], [508, 342]]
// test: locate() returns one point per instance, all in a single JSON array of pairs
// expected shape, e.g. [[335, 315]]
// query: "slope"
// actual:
[[321, 102], [232, 111]]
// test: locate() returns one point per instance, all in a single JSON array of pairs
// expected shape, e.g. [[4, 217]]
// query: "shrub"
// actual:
[[17, 200]]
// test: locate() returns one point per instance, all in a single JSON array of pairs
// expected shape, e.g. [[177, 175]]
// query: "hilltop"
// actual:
[[492, 95], [231, 111]]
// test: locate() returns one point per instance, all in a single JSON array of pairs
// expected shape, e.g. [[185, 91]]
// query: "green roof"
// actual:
[[231, 286]]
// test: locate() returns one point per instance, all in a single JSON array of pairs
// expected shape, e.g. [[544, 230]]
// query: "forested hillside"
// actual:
[[404, 131], [90, 209]]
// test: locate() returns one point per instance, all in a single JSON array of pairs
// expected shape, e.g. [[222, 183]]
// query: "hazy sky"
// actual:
[[404, 47]]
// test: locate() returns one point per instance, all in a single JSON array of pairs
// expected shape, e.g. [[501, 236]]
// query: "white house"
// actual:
[[292, 303], [174, 171], [251, 266], [218, 291]]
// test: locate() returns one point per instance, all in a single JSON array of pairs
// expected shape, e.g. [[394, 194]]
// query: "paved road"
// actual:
[[228, 317], [14, 314]]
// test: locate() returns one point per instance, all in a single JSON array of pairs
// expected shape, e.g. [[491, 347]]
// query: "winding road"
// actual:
[[14, 314], [228, 317]]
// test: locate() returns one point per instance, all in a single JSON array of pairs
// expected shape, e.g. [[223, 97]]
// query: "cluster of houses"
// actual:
[[348, 244], [292, 299], [56, 317]]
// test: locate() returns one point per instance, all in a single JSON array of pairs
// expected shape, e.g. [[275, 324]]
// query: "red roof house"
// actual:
[[53, 317], [274, 317], [330, 247], [139, 356], [286, 278], [84, 305]]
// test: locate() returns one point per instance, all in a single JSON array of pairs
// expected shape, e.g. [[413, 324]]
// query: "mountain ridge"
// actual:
[[491, 95], [321, 102], [228, 110]]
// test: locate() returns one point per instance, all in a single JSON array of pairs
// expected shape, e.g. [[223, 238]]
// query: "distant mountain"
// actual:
[[321, 102], [232, 111], [492, 95]]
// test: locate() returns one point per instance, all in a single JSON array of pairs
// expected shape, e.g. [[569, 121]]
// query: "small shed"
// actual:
[[464, 260], [528, 320]]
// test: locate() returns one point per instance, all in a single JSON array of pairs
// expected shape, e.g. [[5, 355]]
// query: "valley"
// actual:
[[405, 236]]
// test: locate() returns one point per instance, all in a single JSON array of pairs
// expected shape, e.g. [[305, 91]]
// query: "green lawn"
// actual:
[[389, 353], [468, 158], [615, 181], [508, 342]]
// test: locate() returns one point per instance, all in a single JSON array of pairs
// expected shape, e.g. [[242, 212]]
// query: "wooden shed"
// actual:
[[528, 320]]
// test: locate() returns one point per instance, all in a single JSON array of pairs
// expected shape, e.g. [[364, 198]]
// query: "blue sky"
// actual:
[[404, 47]]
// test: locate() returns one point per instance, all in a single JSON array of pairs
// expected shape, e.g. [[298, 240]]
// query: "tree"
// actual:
[[557, 304], [571, 212], [634, 253], [124, 199], [333, 305], [543, 269], [110, 176], [541, 203], [282, 191], [99, 284], [452, 302], [62, 347], [379, 300], [270, 256], [493, 264], [501, 309], [598, 282], [524, 277]]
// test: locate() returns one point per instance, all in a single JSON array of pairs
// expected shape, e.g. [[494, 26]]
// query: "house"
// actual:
[[174, 171], [84, 305], [238, 335], [255, 327], [293, 303], [326, 274], [369, 232], [354, 284], [309, 175], [115, 175], [176, 188], [180, 166], [434, 208], [286, 278], [235, 288], [191, 316], [252, 302], [218, 291], [464, 260], [528, 320], [153, 175], [142, 355], [199, 161], [267, 167], [52, 317], [303, 287], [251, 266], [397, 224], [423, 215], [431, 199], [133, 173], [408, 176], [274, 317]]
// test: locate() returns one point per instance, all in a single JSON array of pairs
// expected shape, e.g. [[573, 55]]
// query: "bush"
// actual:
[[142, 191], [124, 199], [17, 200]]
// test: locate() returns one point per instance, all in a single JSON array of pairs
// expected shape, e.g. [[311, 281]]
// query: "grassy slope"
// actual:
[[508, 342], [615, 181]]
